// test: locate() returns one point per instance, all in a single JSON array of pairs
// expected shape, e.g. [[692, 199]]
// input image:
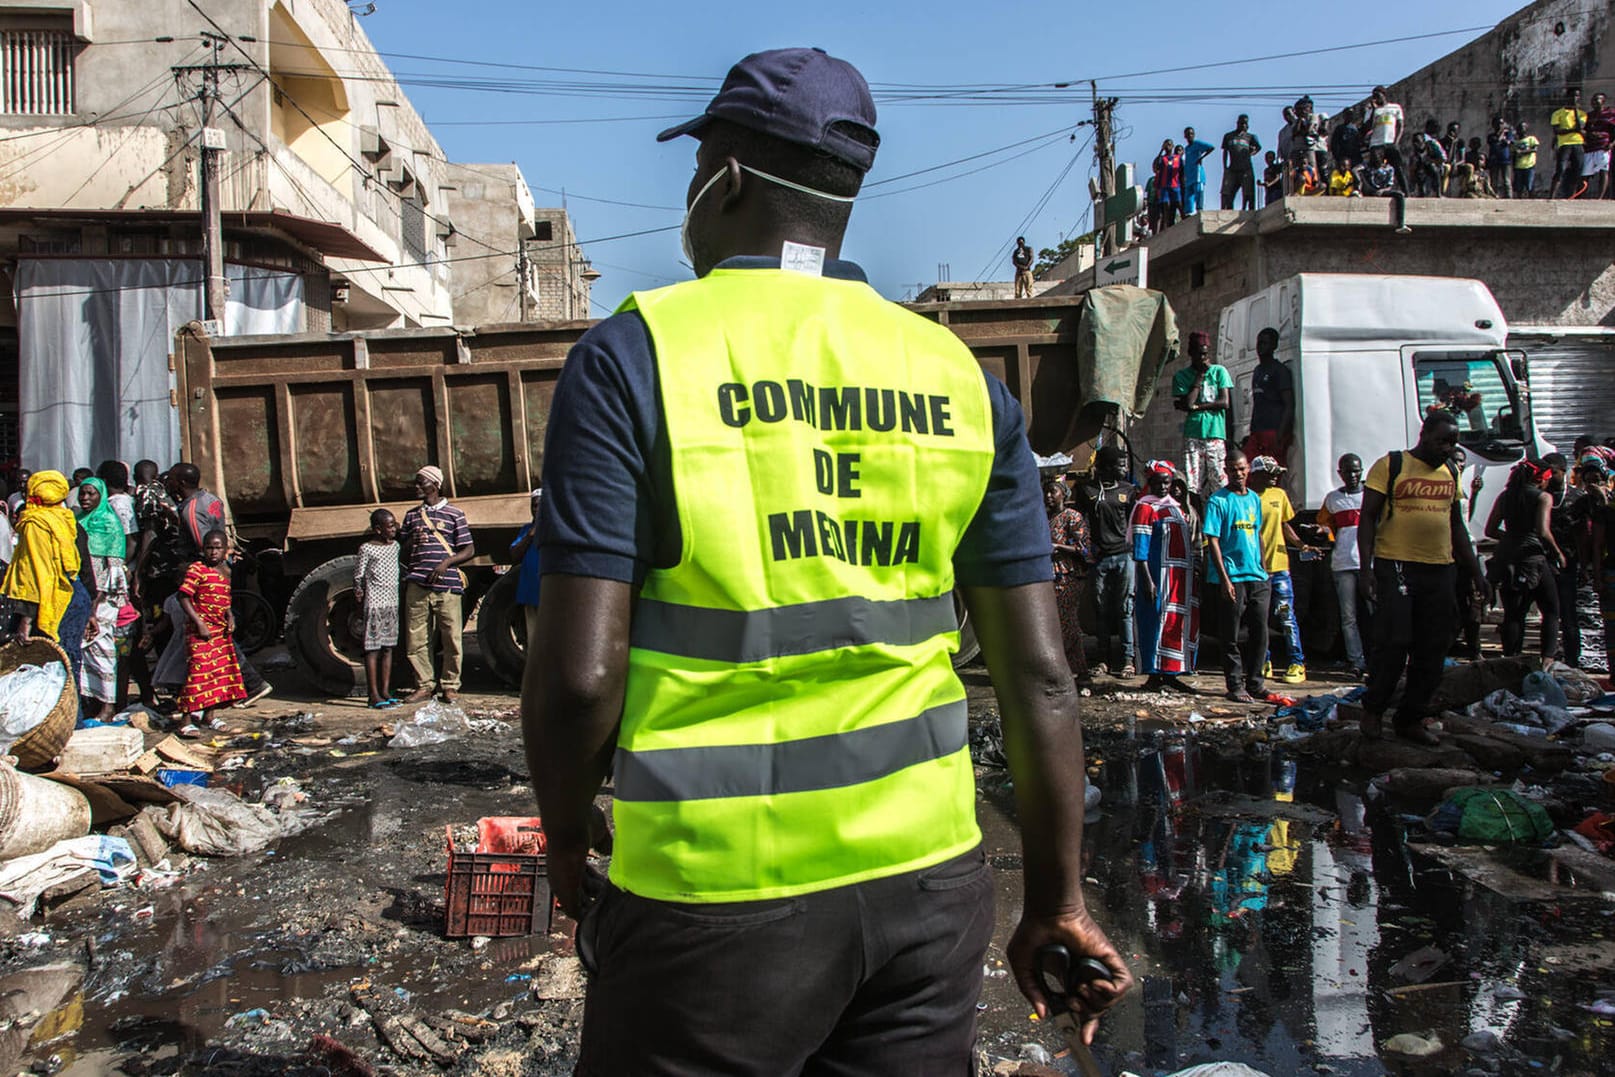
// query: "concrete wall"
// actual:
[[131, 142], [491, 207], [564, 277], [1519, 69]]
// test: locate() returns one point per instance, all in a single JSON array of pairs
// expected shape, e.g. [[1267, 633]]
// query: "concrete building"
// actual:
[[491, 203], [333, 197], [562, 276], [547, 280]]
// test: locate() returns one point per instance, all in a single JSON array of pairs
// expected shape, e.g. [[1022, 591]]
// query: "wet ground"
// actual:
[[1265, 905]]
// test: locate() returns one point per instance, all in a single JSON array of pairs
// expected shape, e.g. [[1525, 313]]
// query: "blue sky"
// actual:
[[483, 113]]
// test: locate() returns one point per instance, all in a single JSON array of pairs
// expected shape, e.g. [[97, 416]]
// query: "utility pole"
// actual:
[[216, 286], [523, 275], [1103, 108]]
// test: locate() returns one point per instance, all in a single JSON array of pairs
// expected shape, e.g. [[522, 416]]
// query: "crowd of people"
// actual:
[[131, 576], [1370, 151], [1409, 586]]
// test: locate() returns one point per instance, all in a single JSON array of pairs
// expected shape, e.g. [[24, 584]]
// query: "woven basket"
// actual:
[[38, 748]]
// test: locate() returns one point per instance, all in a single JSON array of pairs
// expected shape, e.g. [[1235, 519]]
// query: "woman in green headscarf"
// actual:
[[107, 542]]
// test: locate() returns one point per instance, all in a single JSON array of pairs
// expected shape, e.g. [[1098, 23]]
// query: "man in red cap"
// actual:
[[760, 489]]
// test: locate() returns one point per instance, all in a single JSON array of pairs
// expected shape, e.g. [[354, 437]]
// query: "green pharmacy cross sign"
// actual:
[[1120, 208]]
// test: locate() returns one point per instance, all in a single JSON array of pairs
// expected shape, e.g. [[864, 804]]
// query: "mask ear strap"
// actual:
[[797, 186]]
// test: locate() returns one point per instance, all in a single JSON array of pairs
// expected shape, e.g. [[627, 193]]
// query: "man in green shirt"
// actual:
[[1203, 390]]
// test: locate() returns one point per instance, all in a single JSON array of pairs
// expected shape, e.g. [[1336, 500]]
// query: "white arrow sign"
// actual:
[[1128, 267]]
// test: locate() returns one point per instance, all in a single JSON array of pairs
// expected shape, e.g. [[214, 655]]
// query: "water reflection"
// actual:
[[1268, 903]]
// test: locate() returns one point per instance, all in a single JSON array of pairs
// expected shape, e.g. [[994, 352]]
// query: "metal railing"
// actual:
[[36, 72]]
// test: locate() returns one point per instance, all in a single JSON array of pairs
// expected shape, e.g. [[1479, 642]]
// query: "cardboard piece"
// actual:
[[101, 750]]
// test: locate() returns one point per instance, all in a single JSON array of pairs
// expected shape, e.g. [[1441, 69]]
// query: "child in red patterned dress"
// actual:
[[213, 677]]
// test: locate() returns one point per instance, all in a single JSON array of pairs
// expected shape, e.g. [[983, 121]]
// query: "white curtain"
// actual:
[[94, 336]]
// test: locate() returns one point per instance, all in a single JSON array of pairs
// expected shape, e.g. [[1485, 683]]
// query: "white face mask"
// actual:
[[684, 229]]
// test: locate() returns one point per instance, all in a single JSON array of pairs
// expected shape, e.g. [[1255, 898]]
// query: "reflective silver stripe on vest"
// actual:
[[758, 635], [797, 766]]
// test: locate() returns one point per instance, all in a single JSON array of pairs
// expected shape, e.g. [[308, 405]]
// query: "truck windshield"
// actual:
[[1475, 388]]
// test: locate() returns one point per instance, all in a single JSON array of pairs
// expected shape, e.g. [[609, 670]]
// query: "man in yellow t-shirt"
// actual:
[[1277, 536], [1569, 145], [1411, 532]]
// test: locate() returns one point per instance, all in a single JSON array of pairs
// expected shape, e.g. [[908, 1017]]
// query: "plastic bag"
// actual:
[[434, 723], [1539, 687], [27, 695], [1494, 816], [216, 822]]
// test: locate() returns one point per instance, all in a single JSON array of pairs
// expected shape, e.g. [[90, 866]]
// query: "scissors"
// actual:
[[1059, 976]]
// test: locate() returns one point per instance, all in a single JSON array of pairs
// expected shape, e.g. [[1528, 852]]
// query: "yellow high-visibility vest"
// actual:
[[792, 721]]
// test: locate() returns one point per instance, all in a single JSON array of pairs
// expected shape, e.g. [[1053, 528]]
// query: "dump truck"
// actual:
[[304, 435]]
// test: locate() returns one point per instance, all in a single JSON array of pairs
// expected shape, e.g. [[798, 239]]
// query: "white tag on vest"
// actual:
[[800, 258]]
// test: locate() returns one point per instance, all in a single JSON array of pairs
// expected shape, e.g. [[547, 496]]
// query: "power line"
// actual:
[[969, 172], [1037, 208], [198, 282], [972, 157]]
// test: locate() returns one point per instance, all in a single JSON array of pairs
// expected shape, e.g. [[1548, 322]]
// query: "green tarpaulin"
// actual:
[[1126, 336]]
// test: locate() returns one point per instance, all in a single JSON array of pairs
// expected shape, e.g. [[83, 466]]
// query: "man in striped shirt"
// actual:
[[1340, 512], [436, 539]]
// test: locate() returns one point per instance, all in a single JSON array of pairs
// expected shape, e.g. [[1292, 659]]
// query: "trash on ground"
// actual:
[[216, 822], [25, 879], [433, 723]]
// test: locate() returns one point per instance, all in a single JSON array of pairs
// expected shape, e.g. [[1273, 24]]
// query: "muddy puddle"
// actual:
[[1274, 912]]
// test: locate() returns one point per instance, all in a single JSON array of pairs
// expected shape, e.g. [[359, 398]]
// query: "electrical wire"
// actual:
[[969, 172], [199, 281], [1036, 209]]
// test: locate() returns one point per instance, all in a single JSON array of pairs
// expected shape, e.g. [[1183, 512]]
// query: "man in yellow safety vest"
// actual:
[[761, 488]]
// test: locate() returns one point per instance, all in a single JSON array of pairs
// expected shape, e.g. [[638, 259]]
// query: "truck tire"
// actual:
[[325, 627], [969, 647], [502, 631]]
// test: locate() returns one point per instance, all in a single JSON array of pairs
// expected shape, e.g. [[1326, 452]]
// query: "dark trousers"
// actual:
[[1524, 182], [1568, 584], [1528, 580], [877, 978], [1240, 183], [1567, 162], [1113, 581], [1415, 621], [1243, 631]]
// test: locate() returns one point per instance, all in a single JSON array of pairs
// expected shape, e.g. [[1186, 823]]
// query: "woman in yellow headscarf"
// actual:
[[46, 561]]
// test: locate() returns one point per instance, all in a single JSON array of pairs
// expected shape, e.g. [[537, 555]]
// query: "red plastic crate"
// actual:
[[500, 895]]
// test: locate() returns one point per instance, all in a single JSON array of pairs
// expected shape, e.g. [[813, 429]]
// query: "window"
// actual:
[[36, 65], [412, 223], [1472, 386], [544, 230]]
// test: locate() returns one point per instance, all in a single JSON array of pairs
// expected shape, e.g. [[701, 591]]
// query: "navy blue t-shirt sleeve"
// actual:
[[1007, 543], [595, 519]]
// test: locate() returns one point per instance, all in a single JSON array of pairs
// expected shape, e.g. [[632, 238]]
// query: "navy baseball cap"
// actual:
[[798, 95]]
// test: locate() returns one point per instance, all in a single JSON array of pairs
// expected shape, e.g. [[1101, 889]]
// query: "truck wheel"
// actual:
[[969, 647], [325, 627], [502, 630]]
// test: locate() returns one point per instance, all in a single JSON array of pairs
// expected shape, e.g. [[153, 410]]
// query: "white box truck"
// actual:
[[1370, 355]]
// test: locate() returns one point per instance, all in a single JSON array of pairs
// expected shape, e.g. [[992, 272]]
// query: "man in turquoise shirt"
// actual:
[[1233, 528], [1203, 390], [1195, 153]]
